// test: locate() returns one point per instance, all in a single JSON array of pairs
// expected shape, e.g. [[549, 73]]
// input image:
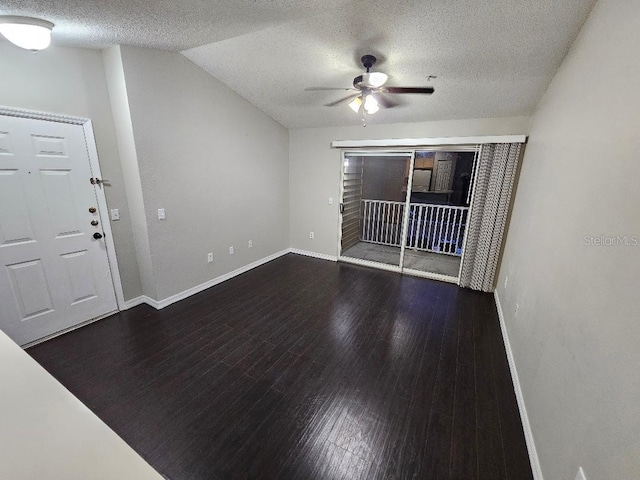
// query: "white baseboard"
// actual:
[[134, 302], [306, 253], [526, 426], [159, 304]]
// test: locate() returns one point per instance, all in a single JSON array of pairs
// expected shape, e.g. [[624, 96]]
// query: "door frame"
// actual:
[[94, 165]]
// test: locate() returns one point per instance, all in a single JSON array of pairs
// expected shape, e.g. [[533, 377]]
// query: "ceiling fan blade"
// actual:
[[385, 101], [338, 102], [320, 89], [425, 90]]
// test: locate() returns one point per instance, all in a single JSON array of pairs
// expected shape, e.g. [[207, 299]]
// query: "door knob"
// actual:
[[94, 222], [92, 210], [97, 236]]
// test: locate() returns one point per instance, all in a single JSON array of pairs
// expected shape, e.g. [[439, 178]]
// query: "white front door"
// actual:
[[54, 273]]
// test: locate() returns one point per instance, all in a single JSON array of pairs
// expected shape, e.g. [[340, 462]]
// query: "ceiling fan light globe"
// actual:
[[28, 33], [355, 104], [372, 110], [371, 104], [374, 79]]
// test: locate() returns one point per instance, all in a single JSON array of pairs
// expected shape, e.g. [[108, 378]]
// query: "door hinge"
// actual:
[[341, 207]]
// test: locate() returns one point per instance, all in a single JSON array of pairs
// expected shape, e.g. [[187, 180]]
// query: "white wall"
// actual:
[[217, 164], [576, 337], [71, 81], [129, 160], [314, 169]]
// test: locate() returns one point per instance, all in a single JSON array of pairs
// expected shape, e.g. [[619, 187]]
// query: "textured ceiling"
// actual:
[[492, 59]]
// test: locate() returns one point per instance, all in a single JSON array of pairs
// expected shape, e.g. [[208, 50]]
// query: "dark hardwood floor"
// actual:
[[305, 369]]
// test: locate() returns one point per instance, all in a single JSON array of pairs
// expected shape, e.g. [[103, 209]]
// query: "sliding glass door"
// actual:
[[407, 211], [374, 201]]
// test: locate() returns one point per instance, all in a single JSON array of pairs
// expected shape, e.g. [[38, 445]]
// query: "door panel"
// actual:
[[31, 288], [374, 193], [55, 274], [82, 285], [15, 222], [46, 146], [61, 203]]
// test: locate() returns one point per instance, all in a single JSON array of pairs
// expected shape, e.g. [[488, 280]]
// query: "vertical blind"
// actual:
[[495, 174], [352, 196]]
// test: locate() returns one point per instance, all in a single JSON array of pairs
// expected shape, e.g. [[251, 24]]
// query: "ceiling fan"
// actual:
[[370, 91]]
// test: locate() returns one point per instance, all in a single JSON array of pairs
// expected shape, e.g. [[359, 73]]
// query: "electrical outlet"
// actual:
[[580, 475], [210, 257], [250, 243], [515, 310], [161, 214], [312, 235], [115, 214], [230, 250], [506, 279], [330, 200]]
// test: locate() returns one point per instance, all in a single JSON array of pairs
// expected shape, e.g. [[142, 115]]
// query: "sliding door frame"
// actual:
[[376, 153], [411, 152], [407, 208]]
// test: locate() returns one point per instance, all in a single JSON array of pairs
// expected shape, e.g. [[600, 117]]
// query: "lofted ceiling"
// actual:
[[492, 59]]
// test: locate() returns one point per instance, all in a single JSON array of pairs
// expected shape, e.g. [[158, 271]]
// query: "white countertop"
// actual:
[[47, 433]]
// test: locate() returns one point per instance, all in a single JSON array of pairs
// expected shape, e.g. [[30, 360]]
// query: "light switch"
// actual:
[[161, 214], [115, 214], [330, 200]]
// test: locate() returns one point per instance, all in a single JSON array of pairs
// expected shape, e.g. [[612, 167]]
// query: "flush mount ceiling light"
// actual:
[[26, 32]]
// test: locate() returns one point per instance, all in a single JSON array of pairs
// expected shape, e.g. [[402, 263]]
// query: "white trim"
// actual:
[[134, 302], [306, 253], [419, 142], [431, 276], [393, 151], [526, 426], [94, 165], [379, 153], [67, 330], [103, 210], [35, 115], [159, 304]]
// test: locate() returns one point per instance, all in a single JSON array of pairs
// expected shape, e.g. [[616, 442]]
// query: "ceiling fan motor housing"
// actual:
[[369, 80], [368, 61]]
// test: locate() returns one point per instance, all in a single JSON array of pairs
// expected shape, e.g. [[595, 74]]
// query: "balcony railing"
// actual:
[[432, 228]]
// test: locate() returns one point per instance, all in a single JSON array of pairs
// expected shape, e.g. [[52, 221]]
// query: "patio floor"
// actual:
[[413, 259]]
